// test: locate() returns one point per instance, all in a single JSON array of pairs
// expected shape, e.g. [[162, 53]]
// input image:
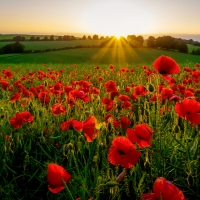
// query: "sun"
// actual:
[[118, 36], [116, 18]]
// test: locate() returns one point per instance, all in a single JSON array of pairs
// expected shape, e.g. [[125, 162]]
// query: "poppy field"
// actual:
[[102, 132]]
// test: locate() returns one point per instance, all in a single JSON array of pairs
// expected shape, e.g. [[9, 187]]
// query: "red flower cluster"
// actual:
[[57, 109], [20, 118]]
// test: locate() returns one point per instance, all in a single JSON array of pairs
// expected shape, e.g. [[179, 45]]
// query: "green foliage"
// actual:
[[16, 47]]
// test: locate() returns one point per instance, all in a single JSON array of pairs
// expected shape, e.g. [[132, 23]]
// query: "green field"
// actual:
[[42, 45], [97, 56], [191, 47], [8, 37]]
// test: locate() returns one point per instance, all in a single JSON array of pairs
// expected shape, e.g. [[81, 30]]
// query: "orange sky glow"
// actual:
[[102, 17]]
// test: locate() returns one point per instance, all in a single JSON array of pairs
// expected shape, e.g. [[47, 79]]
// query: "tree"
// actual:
[[60, 38], [140, 39], [19, 38], [95, 37], [16, 47], [182, 47], [84, 37], [32, 38], [151, 42], [45, 38], [101, 38], [37, 38], [89, 37], [66, 37], [72, 37], [51, 38], [135, 41]]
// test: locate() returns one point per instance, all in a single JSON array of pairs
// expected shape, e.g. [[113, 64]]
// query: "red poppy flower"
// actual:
[[27, 117], [17, 120], [57, 109], [175, 98], [15, 97], [109, 116], [123, 97], [44, 97], [166, 93], [4, 84], [70, 124], [110, 86], [140, 90], [125, 122], [107, 103], [123, 152], [55, 177], [114, 94], [78, 94], [20, 118], [188, 93], [126, 104], [127, 89], [89, 129], [141, 135], [7, 74], [66, 125], [95, 91], [189, 109], [164, 190], [166, 65]]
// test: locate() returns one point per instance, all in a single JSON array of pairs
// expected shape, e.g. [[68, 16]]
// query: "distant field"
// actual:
[[6, 37], [42, 45], [191, 47], [126, 56]]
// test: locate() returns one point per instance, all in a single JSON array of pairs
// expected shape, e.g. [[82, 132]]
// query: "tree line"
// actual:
[[164, 42], [168, 43], [55, 38]]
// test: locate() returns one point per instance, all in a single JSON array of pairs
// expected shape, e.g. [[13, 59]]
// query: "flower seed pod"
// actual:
[[176, 129], [121, 176], [112, 184], [151, 88], [70, 146]]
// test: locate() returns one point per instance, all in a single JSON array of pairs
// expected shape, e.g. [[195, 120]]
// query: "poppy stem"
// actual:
[[69, 195]]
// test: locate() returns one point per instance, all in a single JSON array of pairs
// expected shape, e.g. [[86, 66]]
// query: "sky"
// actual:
[[101, 17]]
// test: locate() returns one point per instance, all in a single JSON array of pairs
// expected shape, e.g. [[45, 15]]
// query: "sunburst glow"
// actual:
[[118, 18]]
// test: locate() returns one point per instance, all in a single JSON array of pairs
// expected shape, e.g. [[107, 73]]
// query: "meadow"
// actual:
[[42, 45], [96, 56], [76, 126]]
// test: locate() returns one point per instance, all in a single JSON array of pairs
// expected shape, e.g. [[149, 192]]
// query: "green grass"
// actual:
[[191, 47], [97, 56], [42, 45]]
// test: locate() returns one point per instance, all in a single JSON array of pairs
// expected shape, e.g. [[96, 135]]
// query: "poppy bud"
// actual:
[[176, 129], [109, 126], [173, 159], [151, 88], [70, 146], [121, 176], [112, 184], [42, 139], [95, 159], [99, 179]]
